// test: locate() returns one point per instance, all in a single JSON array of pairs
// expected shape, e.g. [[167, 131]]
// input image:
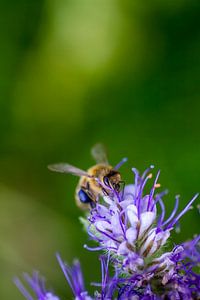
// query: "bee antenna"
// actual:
[[121, 163]]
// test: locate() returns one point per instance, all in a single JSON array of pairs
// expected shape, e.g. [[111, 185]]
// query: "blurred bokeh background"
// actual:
[[73, 73]]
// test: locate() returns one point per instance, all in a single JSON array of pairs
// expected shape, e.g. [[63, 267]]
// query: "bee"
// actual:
[[99, 180]]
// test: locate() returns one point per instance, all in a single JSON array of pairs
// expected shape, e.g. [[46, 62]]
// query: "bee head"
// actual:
[[112, 180]]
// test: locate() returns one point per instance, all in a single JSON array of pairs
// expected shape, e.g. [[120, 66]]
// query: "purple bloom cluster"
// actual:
[[132, 229], [129, 227]]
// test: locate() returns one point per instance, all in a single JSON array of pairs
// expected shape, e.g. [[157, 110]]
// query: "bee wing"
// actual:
[[99, 154], [66, 168]]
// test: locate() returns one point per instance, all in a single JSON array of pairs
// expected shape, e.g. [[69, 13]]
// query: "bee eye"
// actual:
[[106, 181]]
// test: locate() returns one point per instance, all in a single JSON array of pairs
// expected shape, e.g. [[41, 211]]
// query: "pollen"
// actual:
[[157, 185]]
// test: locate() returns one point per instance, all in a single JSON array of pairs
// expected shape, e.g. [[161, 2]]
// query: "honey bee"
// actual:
[[99, 180]]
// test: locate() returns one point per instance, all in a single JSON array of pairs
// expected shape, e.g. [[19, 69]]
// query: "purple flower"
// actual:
[[107, 287], [72, 274], [37, 284], [74, 278], [128, 225]]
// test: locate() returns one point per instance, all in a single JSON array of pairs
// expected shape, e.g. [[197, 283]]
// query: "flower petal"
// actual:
[[131, 235], [146, 220], [132, 214]]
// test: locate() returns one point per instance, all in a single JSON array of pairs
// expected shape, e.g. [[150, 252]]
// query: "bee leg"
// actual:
[[87, 190], [92, 204], [105, 192], [87, 186], [86, 198]]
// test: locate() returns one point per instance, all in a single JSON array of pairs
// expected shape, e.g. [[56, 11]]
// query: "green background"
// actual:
[[73, 73]]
